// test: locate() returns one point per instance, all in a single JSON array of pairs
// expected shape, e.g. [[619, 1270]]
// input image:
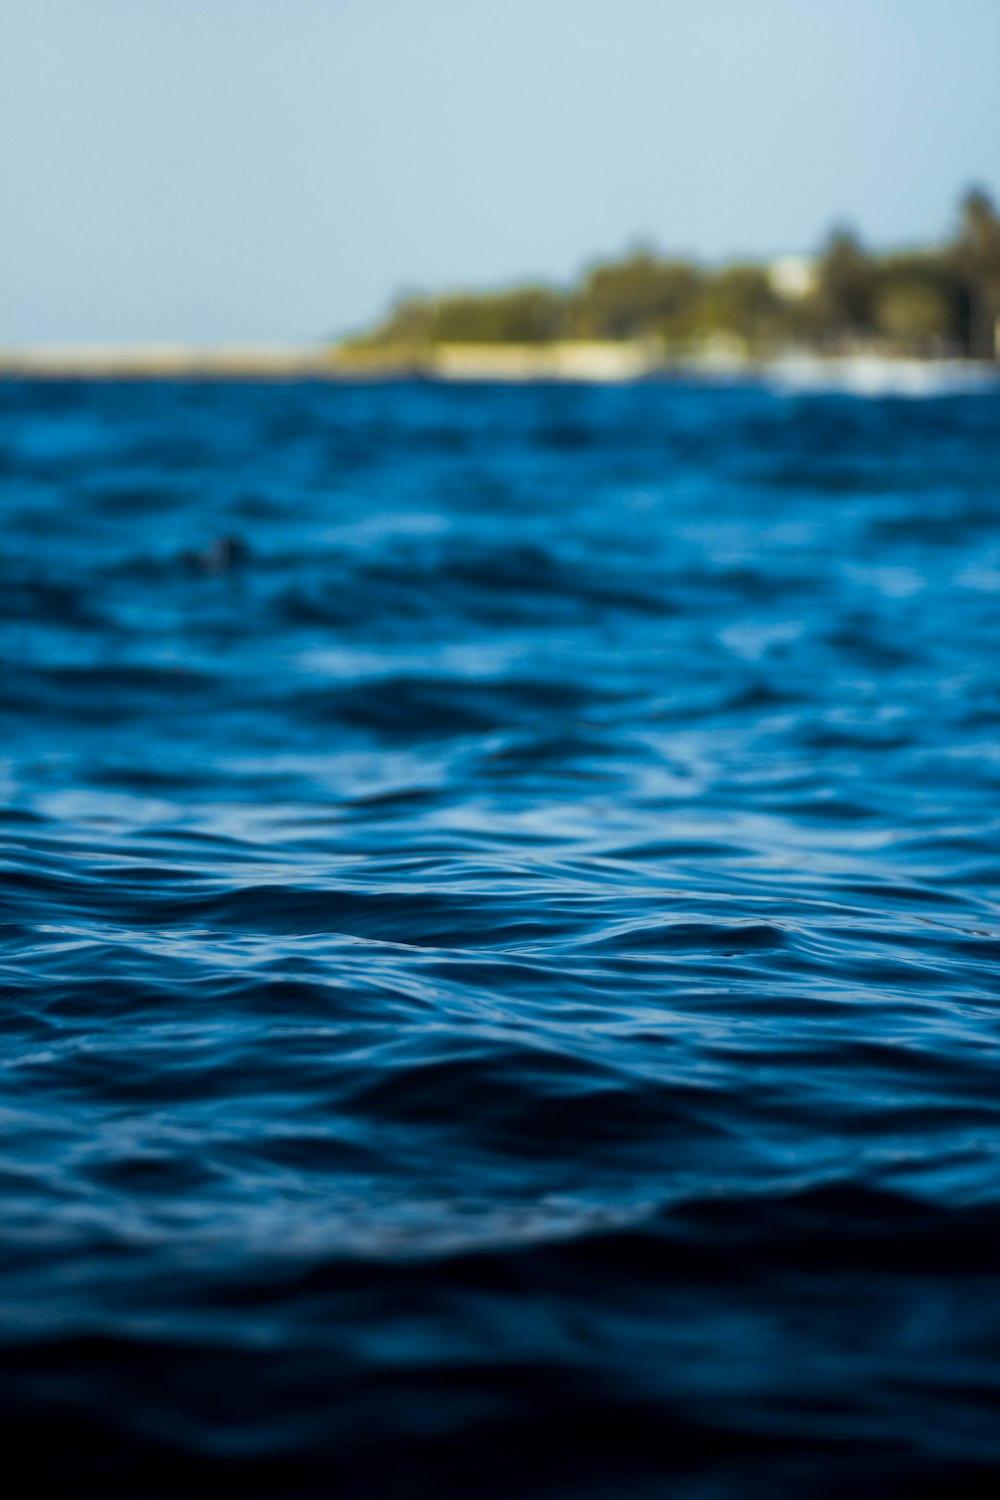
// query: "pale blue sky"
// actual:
[[277, 169]]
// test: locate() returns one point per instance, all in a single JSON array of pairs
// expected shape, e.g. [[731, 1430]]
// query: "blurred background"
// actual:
[[243, 170]]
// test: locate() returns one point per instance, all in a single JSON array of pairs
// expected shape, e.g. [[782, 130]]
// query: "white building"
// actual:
[[793, 276]]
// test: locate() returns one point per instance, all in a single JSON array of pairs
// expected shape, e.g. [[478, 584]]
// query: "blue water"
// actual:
[[500, 965]]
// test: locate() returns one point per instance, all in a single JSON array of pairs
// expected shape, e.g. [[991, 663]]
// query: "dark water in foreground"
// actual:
[[500, 965]]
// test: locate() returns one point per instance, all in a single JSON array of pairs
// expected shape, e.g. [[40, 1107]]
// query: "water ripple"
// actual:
[[498, 969]]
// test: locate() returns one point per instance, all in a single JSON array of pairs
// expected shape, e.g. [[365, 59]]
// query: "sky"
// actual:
[[279, 170]]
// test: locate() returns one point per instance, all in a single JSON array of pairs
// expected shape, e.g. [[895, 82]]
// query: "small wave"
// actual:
[[498, 939]]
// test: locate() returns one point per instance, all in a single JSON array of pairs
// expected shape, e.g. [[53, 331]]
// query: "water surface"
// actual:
[[499, 974]]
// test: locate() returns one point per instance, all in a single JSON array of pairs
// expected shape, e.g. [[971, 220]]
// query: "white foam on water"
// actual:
[[877, 375]]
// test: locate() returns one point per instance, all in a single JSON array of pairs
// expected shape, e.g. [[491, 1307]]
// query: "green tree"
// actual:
[[844, 300], [912, 313], [977, 255], [918, 303], [635, 297], [523, 315], [740, 300], [410, 322]]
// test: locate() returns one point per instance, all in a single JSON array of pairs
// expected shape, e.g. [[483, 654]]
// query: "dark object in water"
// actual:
[[220, 556]]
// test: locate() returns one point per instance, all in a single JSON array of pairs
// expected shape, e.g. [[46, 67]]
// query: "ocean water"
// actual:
[[500, 951]]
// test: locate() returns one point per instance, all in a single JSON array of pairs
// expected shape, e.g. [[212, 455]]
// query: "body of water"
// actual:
[[500, 951]]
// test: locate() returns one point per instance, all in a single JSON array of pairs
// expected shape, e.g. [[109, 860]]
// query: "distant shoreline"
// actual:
[[571, 361], [144, 361]]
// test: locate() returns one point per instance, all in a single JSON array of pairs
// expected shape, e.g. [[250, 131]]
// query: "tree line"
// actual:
[[940, 301]]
